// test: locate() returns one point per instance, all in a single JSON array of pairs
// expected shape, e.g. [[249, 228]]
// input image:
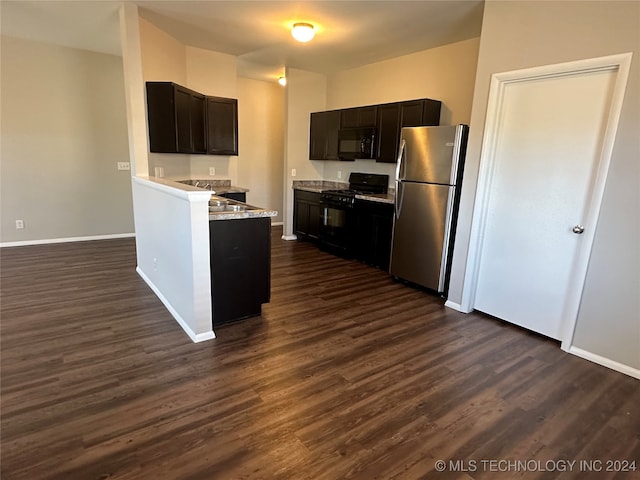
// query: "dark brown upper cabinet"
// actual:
[[323, 135], [176, 119], [393, 116], [358, 117], [387, 118], [222, 126], [388, 131], [185, 121]]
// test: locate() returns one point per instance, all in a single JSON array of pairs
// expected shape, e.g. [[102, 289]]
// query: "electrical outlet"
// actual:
[[124, 166], [293, 172], [155, 264], [19, 224], [159, 171], [339, 173], [212, 171]]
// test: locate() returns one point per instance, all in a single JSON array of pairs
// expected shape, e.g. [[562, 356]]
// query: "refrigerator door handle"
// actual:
[[400, 167], [399, 198]]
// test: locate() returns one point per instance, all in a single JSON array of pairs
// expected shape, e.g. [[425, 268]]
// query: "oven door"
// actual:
[[335, 234]]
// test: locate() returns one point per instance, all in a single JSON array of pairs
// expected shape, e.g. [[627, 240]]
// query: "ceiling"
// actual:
[[349, 33]]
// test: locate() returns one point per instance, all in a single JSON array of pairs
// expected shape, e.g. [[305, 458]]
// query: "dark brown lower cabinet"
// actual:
[[240, 260], [237, 196], [307, 214], [372, 231]]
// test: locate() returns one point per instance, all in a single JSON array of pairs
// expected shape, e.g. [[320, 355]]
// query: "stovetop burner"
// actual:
[[359, 183]]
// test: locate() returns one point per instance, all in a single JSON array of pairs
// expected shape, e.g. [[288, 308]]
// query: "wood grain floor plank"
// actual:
[[347, 374]]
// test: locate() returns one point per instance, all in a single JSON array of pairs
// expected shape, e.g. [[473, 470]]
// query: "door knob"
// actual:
[[578, 229]]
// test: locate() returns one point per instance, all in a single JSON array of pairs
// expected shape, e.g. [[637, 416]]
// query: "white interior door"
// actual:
[[548, 144]]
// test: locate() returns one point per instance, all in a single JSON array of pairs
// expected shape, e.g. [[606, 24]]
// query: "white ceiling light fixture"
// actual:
[[282, 81], [302, 32]]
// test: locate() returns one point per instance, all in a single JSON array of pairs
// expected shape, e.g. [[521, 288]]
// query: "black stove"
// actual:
[[338, 214], [359, 183]]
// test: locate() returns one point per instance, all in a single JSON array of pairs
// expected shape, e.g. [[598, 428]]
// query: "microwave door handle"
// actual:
[[372, 151]]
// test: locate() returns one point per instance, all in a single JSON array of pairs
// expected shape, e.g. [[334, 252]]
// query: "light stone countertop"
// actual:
[[219, 186], [319, 186], [250, 212]]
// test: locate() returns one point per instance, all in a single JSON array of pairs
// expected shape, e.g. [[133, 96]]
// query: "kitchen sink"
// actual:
[[223, 205]]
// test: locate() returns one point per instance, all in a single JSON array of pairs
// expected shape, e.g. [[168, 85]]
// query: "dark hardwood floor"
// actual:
[[346, 375]]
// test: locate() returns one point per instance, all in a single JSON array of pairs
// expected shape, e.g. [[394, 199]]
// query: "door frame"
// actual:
[[619, 63]]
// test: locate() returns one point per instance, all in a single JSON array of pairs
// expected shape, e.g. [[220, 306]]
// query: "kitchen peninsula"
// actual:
[[201, 260]]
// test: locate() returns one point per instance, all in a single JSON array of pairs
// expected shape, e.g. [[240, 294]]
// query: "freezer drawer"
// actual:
[[421, 233]]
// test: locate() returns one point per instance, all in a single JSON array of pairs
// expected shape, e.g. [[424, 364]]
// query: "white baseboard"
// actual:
[[195, 337], [605, 362], [455, 306], [277, 224], [66, 240], [289, 237]]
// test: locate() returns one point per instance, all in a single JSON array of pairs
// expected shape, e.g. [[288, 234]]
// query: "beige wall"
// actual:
[[306, 93], [261, 142], [213, 73], [444, 73], [63, 131], [524, 34], [164, 59], [259, 165]]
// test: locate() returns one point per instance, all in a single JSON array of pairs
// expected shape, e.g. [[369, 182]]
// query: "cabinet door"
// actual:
[[176, 117], [411, 113], [161, 111], [300, 217], [240, 261], [431, 112], [404, 114], [359, 117], [374, 225], [222, 126], [315, 220], [323, 135], [388, 132], [238, 196], [306, 214], [183, 120], [197, 110], [317, 137]]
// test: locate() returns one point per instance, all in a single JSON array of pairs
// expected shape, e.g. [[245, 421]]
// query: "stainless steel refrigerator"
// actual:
[[428, 177]]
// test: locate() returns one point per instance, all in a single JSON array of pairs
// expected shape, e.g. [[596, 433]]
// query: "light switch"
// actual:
[[124, 166], [293, 172]]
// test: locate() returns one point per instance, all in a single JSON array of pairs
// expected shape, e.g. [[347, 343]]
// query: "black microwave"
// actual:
[[356, 143]]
